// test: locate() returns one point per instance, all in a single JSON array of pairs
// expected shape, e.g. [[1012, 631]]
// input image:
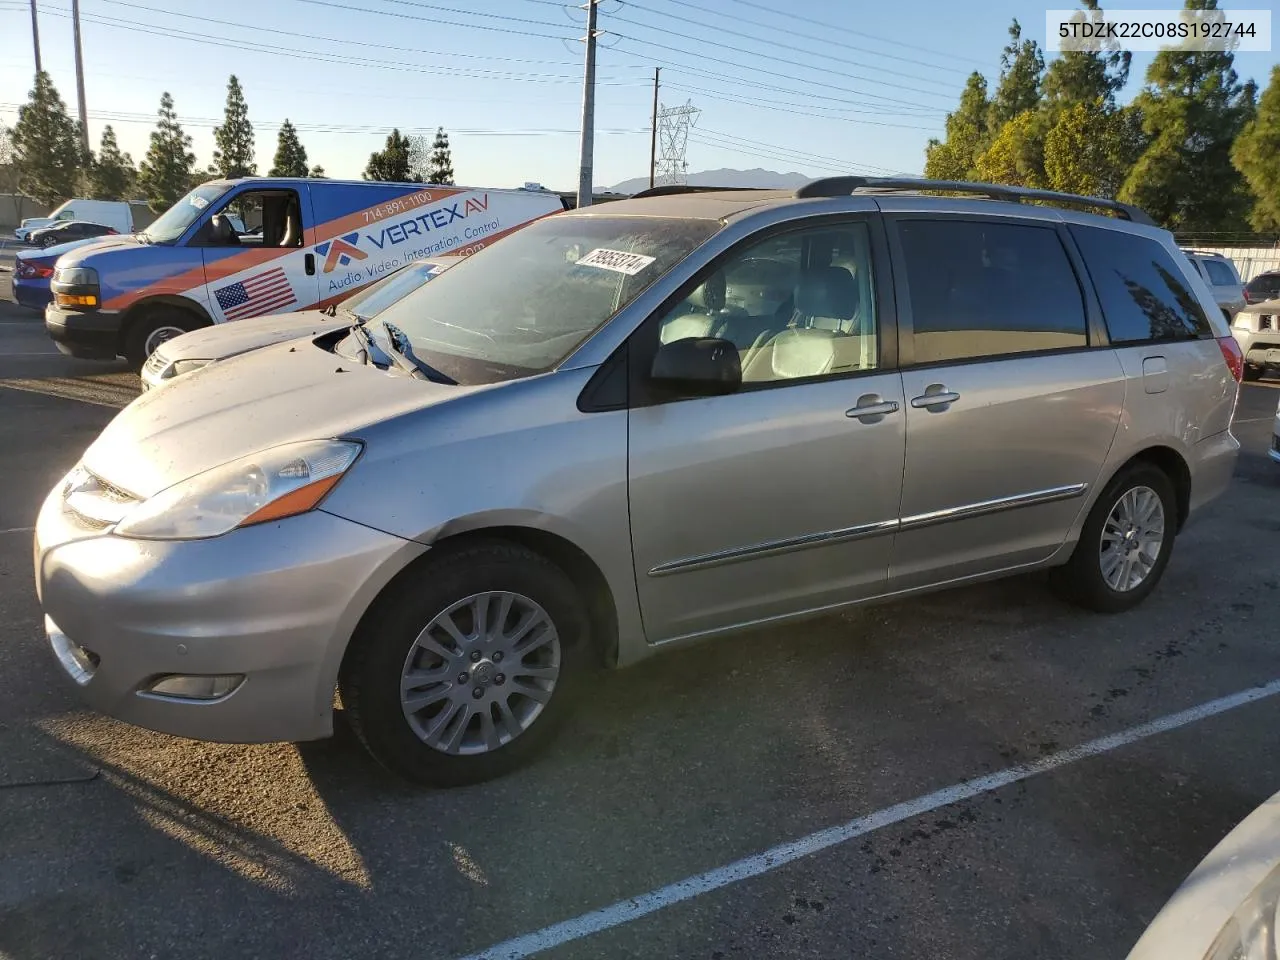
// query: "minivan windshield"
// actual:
[[527, 302], [173, 223]]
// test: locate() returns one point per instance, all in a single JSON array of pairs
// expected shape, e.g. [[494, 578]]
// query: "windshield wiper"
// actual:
[[403, 357]]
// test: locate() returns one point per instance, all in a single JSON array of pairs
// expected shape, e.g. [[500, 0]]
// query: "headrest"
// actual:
[[710, 296], [827, 292]]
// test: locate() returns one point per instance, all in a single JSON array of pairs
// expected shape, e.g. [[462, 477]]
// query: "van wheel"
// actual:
[[154, 328], [463, 672], [1125, 544]]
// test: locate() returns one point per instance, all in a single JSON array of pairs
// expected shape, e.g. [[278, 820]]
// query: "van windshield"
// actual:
[[530, 300], [173, 223]]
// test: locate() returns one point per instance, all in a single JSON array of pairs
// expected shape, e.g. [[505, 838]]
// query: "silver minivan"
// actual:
[[628, 427]]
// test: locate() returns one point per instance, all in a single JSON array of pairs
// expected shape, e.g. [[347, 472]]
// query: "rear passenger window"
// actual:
[[1220, 274], [1143, 293], [984, 289]]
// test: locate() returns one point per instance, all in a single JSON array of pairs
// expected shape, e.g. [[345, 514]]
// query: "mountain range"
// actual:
[[724, 177]]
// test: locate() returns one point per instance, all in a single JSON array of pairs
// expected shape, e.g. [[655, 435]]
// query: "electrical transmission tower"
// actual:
[[674, 124]]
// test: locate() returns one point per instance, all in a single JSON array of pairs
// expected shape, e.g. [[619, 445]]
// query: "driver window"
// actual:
[[797, 305], [257, 218]]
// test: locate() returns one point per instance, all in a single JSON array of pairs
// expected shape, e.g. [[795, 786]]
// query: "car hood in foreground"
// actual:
[[278, 394], [225, 340], [1266, 306]]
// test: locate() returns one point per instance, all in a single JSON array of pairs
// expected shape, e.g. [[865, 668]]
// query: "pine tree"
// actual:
[[46, 146], [112, 175], [440, 164], [391, 163], [233, 139], [1193, 106], [1021, 71], [419, 158], [1016, 156], [1085, 77], [317, 172], [953, 159], [1091, 148], [168, 171], [291, 155], [1256, 154]]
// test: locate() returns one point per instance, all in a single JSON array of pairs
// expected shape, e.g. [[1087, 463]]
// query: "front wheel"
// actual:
[[152, 329], [463, 671], [1125, 544]]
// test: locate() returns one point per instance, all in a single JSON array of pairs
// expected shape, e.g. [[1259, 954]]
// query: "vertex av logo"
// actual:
[[340, 251]]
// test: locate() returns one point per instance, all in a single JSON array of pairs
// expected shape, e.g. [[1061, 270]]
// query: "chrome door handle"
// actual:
[[935, 395], [871, 406]]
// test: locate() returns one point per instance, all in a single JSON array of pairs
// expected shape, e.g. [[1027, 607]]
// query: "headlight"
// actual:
[[76, 276], [1250, 934], [276, 483]]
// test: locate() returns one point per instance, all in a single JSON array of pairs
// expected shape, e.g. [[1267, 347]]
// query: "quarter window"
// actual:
[[985, 289], [1220, 274], [1143, 293], [796, 306]]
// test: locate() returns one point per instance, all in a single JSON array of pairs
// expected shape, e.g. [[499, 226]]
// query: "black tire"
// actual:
[[1081, 581], [145, 333], [1252, 373], [371, 674]]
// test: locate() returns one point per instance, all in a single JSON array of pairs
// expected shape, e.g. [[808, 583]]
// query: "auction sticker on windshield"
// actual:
[[617, 260]]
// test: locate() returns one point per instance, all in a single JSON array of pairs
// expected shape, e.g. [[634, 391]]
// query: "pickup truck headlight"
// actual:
[[1250, 934], [276, 483]]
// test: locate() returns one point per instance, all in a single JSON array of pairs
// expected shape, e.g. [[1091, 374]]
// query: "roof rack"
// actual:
[[671, 189], [843, 186], [1202, 253]]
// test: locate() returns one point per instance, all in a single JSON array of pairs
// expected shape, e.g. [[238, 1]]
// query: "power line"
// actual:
[[786, 46], [783, 155], [728, 98], [349, 7], [789, 15], [871, 110]]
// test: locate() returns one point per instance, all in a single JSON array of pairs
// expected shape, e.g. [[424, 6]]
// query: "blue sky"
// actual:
[[826, 87]]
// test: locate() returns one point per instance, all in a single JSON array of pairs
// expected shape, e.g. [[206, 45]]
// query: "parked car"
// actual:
[[1263, 287], [199, 348], [590, 444], [1223, 278], [1257, 330], [33, 272], [113, 213], [320, 242], [69, 230], [1226, 909]]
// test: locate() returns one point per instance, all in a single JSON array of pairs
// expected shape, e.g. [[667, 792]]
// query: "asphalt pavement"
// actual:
[[117, 842]]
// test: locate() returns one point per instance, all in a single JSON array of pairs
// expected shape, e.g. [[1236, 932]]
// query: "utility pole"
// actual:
[[84, 113], [35, 34], [653, 135], [585, 163]]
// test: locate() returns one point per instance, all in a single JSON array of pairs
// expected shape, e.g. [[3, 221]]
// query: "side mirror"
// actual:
[[698, 366]]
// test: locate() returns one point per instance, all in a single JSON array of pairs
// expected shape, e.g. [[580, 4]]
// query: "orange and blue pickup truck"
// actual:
[[235, 249]]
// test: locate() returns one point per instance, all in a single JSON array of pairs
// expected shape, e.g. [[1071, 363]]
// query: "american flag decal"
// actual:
[[264, 292]]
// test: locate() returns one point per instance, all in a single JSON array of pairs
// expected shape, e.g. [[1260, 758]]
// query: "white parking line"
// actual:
[[624, 911]]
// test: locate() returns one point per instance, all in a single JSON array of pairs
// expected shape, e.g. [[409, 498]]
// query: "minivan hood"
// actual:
[[276, 395], [224, 340]]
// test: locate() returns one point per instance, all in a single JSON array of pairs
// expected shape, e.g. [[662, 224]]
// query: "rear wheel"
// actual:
[[154, 328], [1125, 544], [465, 669]]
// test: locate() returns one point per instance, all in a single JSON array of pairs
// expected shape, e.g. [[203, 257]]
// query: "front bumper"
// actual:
[[1261, 348], [90, 335], [274, 603], [34, 294]]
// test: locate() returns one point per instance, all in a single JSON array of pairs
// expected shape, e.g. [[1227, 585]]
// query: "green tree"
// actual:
[[291, 155], [1193, 106], [440, 164], [317, 172], [46, 146], [1091, 147], [1256, 154], [1084, 76], [233, 139], [112, 175], [391, 163], [1016, 155], [168, 171], [953, 158], [1021, 70]]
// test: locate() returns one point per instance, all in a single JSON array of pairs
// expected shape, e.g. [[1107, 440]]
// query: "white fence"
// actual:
[[1250, 261]]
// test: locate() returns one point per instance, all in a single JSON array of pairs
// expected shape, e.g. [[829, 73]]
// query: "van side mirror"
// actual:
[[698, 366]]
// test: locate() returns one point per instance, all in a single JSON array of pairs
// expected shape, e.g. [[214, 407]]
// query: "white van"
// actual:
[[111, 213]]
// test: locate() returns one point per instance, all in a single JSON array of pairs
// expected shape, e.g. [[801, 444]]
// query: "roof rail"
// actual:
[[675, 188], [843, 186]]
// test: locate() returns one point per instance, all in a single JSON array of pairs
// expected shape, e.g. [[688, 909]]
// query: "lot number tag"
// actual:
[[618, 261]]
